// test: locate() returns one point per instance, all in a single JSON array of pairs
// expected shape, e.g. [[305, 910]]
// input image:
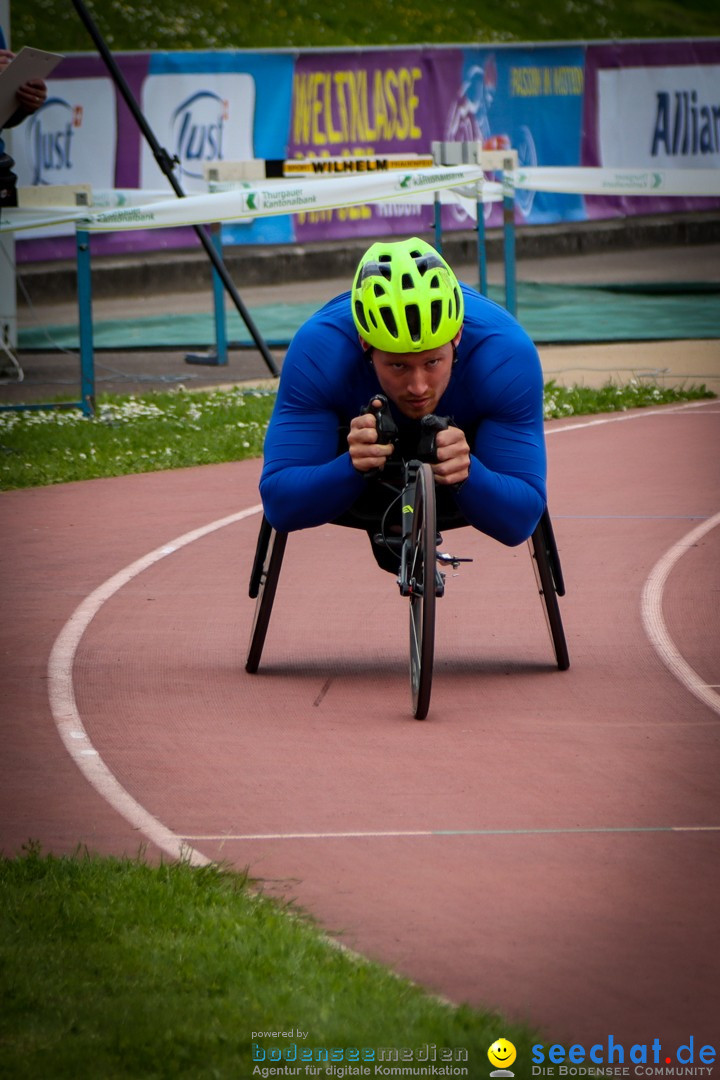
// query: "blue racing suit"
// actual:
[[495, 395]]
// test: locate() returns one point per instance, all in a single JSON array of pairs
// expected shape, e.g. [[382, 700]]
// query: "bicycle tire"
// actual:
[[266, 588], [542, 560], [422, 595]]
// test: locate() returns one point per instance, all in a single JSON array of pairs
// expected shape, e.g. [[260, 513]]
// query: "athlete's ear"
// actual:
[[367, 349], [455, 342]]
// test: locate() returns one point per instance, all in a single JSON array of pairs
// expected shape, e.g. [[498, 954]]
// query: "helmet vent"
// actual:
[[407, 281], [360, 315], [379, 290], [435, 315], [412, 316], [389, 320]]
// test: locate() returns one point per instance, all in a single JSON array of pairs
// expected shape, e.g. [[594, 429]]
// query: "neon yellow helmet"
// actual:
[[405, 297]]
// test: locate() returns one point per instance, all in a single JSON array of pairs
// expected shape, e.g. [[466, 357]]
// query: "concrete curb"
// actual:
[[185, 270]]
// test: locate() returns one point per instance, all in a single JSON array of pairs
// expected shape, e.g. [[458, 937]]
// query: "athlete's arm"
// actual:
[[305, 480], [504, 494]]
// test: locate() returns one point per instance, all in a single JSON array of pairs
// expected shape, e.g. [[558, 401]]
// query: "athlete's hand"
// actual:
[[453, 454], [366, 453]]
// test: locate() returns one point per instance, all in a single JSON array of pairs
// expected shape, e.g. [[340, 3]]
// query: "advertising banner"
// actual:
[[220, 106], [652, 105], [529, 99], [82, 134], [366, 103], [59, 143], [647, 106], [201, 106]]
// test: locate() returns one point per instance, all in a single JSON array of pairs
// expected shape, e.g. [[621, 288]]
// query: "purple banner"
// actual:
[[651, 105], [354, 104]]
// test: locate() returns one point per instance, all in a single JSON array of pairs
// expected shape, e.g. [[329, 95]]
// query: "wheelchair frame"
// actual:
[[418, 550]]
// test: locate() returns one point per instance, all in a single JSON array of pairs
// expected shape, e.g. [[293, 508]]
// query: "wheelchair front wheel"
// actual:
[[421, 578]]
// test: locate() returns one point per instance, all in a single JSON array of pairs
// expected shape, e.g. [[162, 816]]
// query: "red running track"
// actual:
[[546, 843]]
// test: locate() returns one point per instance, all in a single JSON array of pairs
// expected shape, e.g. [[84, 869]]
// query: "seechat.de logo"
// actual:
[[49, 136], [641, 1059], [197, 129]]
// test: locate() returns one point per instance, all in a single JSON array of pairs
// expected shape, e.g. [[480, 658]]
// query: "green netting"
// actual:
[[550, 313]]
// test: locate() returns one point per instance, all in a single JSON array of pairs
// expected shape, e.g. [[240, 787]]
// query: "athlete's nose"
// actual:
[[418, 383]]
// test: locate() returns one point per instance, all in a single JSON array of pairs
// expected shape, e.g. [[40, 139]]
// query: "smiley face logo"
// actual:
[[502, 1053]]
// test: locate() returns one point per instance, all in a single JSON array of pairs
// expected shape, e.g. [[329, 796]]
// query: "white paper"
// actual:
[[28, 64]]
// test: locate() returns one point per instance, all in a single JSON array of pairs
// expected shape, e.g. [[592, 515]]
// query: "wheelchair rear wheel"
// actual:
[[548, 574], [263, 585], [421, 578]]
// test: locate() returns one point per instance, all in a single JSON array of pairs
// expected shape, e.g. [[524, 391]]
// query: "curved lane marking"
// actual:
[[654, 622], [64, 706], [67, 719]]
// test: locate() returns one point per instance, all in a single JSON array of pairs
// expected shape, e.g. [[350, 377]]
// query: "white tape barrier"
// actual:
[[251, 200], [26, 218], [266, 199], [22, 220], [592, 181], [284, 197]]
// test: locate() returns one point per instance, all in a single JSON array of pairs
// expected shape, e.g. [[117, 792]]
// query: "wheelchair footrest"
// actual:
[[450, 560]]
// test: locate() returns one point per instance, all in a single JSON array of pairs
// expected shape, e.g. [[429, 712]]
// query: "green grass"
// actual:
[[131, 435], [112, 968], [180, 428], [214, 24]]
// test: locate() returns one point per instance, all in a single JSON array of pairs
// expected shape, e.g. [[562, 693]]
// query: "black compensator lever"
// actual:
[[429, 427], [387, 431]]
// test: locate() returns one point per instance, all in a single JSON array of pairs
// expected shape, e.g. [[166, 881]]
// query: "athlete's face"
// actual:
[[415, 382]]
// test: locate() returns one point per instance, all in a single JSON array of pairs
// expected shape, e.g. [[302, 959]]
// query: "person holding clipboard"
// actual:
[[29, 97]]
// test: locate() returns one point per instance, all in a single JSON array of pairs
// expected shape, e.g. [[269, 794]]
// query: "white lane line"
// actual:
[[404, 833], [64, 706], [641, 415], [654, 622]]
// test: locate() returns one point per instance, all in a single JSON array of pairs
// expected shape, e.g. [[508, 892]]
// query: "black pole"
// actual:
[[166, 164]]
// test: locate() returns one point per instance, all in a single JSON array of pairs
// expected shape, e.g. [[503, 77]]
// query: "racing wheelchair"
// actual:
[[420, 576]]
